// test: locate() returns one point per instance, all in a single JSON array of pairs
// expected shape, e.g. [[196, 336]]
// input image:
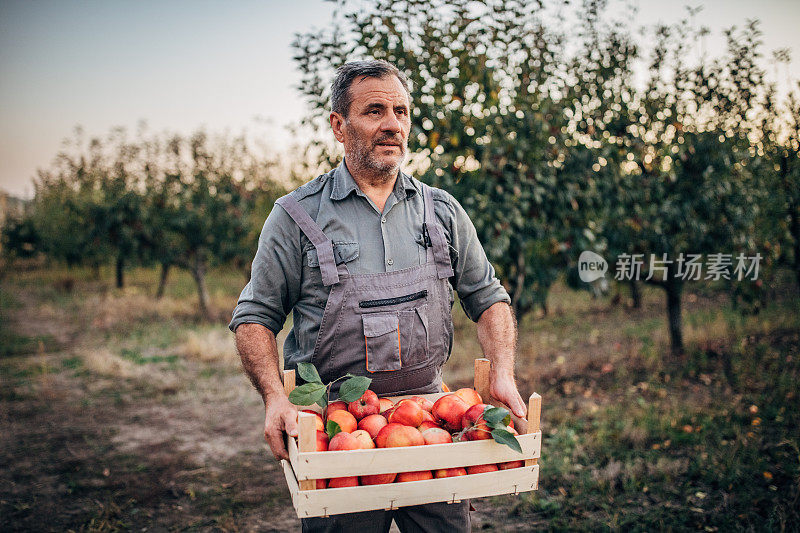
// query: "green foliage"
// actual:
[[353, 388], [190, 202], [19, 237], [314, 391], [307, 394], [332, 428]]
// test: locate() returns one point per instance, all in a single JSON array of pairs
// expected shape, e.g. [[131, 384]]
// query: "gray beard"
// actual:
[[360, 157]]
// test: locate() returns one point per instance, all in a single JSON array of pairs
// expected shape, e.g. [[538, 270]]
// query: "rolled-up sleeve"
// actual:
[[274, 284], [475, 281]]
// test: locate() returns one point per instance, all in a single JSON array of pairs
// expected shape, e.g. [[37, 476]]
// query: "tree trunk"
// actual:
[[636, 295], [198, 268], [673, 289], [120, 272], [162, 282]]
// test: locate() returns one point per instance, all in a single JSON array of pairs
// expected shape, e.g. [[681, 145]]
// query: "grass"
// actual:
[[633, 439]]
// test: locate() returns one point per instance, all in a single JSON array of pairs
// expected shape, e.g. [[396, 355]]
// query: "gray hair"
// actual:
[[371, 68]]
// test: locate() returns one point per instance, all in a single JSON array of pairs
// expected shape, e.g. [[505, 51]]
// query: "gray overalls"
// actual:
[[394, 327]]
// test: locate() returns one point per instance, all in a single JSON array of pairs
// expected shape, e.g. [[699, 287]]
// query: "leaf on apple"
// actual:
[[506, 437], [307, 394], [353, 388], [496, 415], [332, 428], [308, 372]]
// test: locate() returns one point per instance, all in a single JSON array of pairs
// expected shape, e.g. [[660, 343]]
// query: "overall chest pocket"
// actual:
[[398, 338], [343, 252]]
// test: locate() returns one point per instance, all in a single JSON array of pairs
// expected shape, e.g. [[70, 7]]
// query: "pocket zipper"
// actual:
[[393, 301]]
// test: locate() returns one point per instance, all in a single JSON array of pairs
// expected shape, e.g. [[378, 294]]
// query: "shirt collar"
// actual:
[[344, 184]]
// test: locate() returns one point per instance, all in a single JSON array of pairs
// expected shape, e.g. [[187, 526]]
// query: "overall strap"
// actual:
[[435, 233], [324, 246]]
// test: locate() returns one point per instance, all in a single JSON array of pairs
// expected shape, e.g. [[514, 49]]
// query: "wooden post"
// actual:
[[307, 435], [482, 368], [306, 428], [288, 381], [534, 420]]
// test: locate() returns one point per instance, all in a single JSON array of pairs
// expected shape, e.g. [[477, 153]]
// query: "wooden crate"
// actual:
[[306, 465]]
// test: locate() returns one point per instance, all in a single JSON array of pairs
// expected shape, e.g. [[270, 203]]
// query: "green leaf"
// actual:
[[332, 428], [323, 401], [308, 373], [355, 387], [506, 437], [495, 415], [307, 394]]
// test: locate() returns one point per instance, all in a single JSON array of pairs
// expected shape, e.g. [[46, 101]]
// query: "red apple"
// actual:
[[427, 416], [427, 425], [436, 436], [322, 441], [510, 464], [339, 482], [338, 405], [377, 479], [474, 424], [320, 423], [480, 469], [425, 403], [470, 396], [383, 434], [406, 412], [367, 405], [450, 472], [402, 436], [372, 424], [345, 420], [322, 484], [414, 476], [385, 403], [343, 441], [363, 439], [449, 410]]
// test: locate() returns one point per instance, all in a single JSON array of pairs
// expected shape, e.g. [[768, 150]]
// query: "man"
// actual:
[[366, 258]]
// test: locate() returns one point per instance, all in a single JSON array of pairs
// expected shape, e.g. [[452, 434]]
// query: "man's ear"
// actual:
[[337, 125]]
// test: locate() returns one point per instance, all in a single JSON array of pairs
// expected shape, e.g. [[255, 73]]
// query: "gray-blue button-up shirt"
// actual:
[[364, 238]]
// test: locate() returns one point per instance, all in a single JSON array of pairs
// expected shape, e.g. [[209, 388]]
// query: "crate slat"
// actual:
[[315, 465], [355, 499]]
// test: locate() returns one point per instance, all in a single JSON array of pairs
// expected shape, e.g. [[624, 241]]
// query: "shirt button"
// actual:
[[389, 262], [383, 220]]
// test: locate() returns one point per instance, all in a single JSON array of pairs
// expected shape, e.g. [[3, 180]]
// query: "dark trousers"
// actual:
[[429, 518]]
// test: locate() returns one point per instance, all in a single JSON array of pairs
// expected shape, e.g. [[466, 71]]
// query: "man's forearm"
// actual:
[[259, 353], [497, 335]]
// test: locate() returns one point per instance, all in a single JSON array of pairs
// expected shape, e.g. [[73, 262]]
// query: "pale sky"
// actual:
[[180, 65]]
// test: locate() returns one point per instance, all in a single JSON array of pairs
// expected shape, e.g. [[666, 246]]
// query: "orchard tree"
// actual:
[[88, 203], [680, 181], [202, 194]]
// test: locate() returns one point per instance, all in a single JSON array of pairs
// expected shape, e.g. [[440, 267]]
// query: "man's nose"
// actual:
[[391, 123]]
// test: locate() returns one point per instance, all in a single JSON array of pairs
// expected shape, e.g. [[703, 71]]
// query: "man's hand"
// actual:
[[503, 389], [259, 352], [497, 334], [280, 417]]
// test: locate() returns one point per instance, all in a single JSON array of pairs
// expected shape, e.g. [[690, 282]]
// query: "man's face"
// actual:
[[375, 132]]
